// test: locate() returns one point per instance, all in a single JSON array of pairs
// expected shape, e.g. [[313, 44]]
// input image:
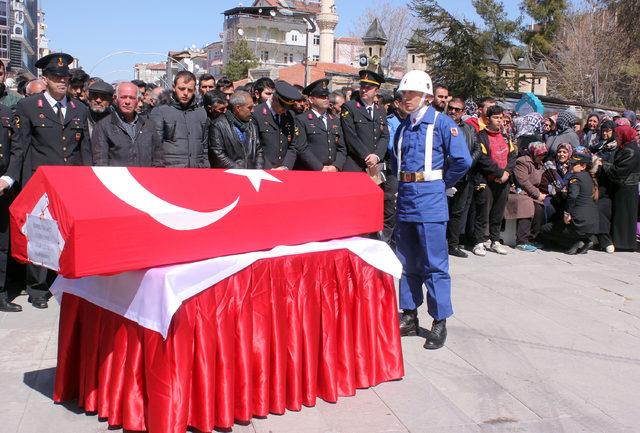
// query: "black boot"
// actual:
[[437, 336], [586, 247], [575, 248], [408, 323], [7, 306]]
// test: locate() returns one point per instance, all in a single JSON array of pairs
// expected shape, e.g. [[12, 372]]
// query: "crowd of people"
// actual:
[[565, 184]]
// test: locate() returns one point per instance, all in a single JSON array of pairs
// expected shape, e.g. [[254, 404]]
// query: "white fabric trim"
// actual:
[[428, 150], [151, 297]]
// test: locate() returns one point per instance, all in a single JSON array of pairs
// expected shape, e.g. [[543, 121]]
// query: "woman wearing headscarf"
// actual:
[[527, 204], [564, 133], [591, 131], [580, 216], [604, 151], [623, 171], [554, 181], [529, 128]]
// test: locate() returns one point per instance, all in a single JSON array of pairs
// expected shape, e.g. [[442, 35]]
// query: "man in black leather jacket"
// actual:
[[461, 201], [234, 141]]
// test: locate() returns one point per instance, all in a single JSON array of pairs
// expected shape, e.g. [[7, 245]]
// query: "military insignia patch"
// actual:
[[345, 113], [573, 180], [60, 62], [41, 116], [17, 121], [78, 136], [40, 104], [73, 105], [310, 116], [264, 111], [296, 130], [454, 132]]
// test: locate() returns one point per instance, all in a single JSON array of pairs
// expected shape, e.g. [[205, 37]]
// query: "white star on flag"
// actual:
[[254, 176]]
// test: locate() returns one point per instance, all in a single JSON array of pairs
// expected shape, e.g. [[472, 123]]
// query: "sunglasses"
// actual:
[[456, 109]]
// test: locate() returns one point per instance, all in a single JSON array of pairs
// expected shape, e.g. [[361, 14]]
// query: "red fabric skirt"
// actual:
[[272, 337]]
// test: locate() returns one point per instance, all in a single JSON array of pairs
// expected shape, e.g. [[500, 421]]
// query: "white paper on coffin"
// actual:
[[151, 297], [44, 240]]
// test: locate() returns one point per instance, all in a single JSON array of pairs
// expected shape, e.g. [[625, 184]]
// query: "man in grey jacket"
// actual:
[[182, 125]]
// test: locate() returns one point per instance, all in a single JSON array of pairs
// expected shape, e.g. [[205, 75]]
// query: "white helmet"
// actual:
[[417, 81]]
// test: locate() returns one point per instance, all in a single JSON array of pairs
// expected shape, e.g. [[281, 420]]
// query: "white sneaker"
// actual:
[[498, 248], [610, 249], [479, 250]]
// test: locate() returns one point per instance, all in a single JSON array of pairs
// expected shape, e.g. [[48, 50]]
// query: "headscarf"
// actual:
[[607, 124], [566, 146], [624, 135], [565, 121], [529, 124], [633, 119], [592, 114], [622, 121], [470, 107], [538, 150]]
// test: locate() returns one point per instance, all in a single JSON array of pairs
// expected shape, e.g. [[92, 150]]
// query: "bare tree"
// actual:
[[587, 60], [397, 22]]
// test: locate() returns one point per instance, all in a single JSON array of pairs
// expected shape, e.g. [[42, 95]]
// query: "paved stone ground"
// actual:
[[541, 342]]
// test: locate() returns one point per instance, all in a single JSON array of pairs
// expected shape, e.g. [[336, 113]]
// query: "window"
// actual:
[[4, 43], [316, 39], [3, 13], [316, 58], [294, 37], [288, 57], [413, 58], [370, 51], [264, 56]]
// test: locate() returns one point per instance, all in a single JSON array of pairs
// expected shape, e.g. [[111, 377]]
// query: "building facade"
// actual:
[[279, 35], [19, 35], [151, 73]]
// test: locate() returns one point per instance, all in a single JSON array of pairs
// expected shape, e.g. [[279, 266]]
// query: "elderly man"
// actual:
[[124, 138], [431, 155], [100, 99], [35, 86], [182, 125], [234, 140], [51, 129]]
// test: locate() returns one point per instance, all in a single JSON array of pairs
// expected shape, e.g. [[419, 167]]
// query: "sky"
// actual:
[[93, 30]]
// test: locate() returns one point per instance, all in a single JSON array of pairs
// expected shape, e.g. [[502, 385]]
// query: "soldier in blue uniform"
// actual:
[[431, 155]]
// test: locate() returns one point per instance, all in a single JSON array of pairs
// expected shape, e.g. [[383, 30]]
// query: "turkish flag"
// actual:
[[84, 221]]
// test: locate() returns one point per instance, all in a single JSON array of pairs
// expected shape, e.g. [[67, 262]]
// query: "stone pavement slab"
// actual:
[[540, 343]]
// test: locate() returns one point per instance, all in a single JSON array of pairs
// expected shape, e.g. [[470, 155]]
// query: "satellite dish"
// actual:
[[363, 61], [241, 32], [260, 10], [272, 13]]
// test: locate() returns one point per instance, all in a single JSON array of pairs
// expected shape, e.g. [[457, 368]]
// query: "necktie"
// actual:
[[59, 112], [324, 120], [370, 110]]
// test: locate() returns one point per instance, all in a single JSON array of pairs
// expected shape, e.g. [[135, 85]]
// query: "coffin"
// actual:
[[82, 221]]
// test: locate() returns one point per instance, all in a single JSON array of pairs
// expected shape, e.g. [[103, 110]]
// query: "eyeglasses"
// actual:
[[456, 109]]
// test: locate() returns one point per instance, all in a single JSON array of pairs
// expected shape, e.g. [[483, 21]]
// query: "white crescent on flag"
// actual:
[[123, 185]]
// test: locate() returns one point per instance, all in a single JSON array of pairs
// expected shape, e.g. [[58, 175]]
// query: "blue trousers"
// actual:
[[422, 249]]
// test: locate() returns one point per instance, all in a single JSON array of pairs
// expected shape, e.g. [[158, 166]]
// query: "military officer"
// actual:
[[51, 129], [276, 126], [425, 140], [364, 124], [318, 133], [6, 132]]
